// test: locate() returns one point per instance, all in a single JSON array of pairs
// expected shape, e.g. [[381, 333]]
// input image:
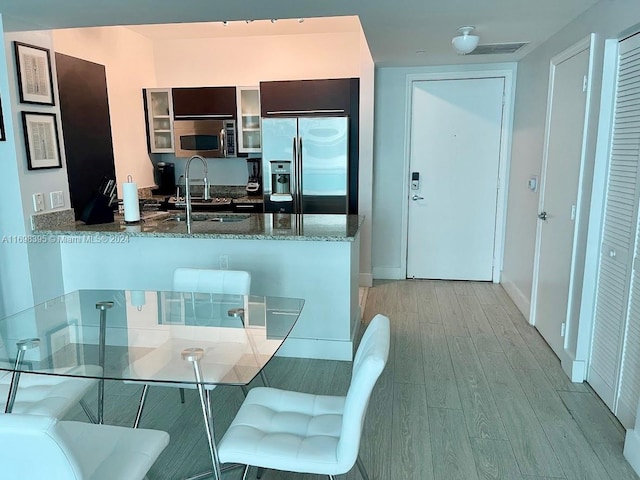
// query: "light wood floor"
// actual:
[[470, 391]]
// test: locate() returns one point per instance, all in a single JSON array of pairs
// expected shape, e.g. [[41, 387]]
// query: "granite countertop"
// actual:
[[256, 226]]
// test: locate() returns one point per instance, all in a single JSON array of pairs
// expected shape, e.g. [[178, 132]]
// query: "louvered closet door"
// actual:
[[614, 371]]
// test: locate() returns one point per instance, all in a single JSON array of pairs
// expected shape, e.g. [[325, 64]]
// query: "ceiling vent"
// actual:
[[497, 48]]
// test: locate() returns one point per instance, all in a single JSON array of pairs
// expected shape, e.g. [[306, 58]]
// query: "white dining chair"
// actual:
[[198, 280], [51, 395], [305, 433], [41, 447]]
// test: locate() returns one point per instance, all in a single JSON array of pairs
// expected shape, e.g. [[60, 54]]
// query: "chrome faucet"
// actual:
[[187, 197]]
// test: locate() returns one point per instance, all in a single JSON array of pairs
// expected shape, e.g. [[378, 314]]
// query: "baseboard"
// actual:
[[576, 370], [632, 449], [366, 280], [388, 273], [520, 299], [318, 349]]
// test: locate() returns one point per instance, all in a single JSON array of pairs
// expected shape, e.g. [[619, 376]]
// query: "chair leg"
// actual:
[[143, 399], [264, 379], [181, 395], [244, 473], [363, 471]]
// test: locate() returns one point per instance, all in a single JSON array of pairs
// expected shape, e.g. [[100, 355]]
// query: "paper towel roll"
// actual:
[[130, 201]]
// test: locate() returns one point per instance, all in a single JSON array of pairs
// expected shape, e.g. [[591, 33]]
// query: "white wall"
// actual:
[[25, 276], [365, 182], [608, 18], [128, 60], [15, 289], [390, 136]]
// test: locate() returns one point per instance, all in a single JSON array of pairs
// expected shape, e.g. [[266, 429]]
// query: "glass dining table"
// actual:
[[148, 337]]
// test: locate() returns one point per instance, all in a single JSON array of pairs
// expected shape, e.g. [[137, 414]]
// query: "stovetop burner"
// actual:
[[211, 201]]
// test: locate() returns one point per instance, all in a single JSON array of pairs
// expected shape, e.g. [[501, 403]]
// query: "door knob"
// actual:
[[542, 215], [416, 197]]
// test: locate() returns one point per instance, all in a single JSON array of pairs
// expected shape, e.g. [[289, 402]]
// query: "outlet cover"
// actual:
[[57, 199], [38, 202], [224, 262]]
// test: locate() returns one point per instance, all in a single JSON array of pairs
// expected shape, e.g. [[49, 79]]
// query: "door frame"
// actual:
[[508, 74], [574, 369]]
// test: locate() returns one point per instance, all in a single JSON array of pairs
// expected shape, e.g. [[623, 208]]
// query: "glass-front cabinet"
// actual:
[[159, 109], [248, 119]]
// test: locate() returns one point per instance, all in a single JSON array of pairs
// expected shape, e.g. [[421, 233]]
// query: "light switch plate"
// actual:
[[38, 202], [57, 199]]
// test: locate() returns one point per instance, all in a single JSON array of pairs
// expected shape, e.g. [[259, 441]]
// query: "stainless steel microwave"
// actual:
[[207, 138]]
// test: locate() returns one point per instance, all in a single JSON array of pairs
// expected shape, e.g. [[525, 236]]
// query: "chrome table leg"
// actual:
[[194, 355], [23, 346], [102, 306]]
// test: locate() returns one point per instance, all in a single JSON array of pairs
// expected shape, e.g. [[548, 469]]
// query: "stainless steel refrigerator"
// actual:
[[305, 164]]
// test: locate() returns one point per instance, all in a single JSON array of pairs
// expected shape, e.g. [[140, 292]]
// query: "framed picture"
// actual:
[[63, 346], [34, 74], [3, 136], [41, 140]]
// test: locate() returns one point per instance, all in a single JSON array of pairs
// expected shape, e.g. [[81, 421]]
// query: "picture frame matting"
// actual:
[[35, 82], [41, 140]]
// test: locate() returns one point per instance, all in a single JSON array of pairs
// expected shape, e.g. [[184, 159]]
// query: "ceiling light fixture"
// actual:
[[274, 20], [300, 20], [465, 43], [225, 23], [248, 21]]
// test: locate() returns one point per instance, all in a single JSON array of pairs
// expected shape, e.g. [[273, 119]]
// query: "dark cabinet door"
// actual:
[[308, 97], [212, 102], [84, 111]]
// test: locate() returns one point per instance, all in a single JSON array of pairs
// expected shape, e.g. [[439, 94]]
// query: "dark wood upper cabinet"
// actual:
[[209, 102], [84, 111], [309, 97]]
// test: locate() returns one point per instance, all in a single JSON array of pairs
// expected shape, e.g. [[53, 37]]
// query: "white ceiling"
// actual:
[[395, 31]]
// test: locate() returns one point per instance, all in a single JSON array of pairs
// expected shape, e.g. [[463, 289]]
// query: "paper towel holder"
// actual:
[[139, 220]]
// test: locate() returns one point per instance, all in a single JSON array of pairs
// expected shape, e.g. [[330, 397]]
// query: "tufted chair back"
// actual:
[[368, 364], [232, 282]]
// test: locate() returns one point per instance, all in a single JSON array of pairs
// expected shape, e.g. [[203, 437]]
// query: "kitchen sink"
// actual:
[[183, 218], [229, 218], [195, 217]]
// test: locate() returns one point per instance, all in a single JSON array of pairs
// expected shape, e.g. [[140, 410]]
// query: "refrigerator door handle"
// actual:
[[294, 185], [300, 185]]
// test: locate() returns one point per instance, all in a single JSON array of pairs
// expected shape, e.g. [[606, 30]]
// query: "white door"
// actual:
[[614, 369], [455, 151], [559, 197]]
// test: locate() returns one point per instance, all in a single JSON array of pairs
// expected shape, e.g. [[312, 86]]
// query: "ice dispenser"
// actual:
[[280, 181]]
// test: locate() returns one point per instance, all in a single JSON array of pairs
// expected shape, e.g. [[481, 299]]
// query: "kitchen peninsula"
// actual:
[[313, 257]]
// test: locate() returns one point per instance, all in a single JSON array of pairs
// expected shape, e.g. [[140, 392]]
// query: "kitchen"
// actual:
[[162, 58], [134, 62]]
